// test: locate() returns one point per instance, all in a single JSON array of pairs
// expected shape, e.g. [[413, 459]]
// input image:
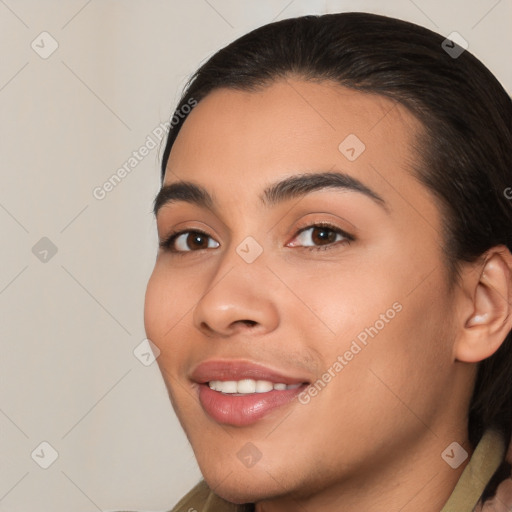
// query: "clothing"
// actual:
[[486, 458]]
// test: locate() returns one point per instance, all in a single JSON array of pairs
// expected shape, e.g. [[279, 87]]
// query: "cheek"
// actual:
[[168, 297], [164, 304], [394, 336], [161, 316], [153, 307], [338, 302], [402, 371], [168, 308]]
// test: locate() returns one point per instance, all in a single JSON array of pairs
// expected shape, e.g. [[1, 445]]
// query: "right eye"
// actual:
[[188, 241]]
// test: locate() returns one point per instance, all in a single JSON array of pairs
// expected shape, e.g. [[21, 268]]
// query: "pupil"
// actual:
[[324, 235], [197, 238]]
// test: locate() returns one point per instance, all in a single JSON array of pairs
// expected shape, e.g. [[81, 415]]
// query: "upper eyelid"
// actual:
[[325, 225]]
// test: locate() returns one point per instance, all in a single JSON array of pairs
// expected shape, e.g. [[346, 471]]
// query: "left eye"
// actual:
[[187, 241], [320, 236]]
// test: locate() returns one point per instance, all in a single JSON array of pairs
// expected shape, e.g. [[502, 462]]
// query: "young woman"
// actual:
[[332, 293]]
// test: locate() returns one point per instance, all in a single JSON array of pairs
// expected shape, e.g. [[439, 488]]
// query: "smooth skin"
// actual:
[[372, 439]]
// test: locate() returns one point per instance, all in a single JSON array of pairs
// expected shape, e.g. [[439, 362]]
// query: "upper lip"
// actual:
[[222, 369]]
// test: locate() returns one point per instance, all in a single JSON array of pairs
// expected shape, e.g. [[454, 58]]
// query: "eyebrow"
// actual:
[[285, 189]]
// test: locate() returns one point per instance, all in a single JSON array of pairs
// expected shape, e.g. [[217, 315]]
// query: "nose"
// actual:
[[238, 299]]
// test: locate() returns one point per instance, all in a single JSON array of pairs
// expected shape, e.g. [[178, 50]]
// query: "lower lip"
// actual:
[[243, 410]]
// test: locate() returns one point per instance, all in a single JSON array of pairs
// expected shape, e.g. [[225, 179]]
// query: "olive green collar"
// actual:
[[485, 460]]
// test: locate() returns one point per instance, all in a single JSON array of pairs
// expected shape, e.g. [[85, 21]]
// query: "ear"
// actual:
[[487, 313]]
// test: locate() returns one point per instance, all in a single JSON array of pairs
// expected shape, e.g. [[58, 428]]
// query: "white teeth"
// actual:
[[229, 386], [263, 386], [248, 386]]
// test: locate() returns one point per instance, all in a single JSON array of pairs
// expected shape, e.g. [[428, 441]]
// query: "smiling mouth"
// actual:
[[240, 393], [227, 406]]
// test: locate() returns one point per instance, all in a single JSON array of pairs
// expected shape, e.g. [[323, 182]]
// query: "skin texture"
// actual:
[[372, 438]]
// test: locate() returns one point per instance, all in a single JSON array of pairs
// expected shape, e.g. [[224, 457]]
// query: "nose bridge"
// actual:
[[238, 292]]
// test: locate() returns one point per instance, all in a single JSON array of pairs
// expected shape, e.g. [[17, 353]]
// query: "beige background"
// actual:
[[70, 323]]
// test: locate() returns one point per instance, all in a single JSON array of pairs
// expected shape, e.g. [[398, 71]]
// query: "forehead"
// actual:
[[297, 122], [235, 142]]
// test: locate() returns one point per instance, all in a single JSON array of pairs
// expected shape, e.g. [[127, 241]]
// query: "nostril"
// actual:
[[206, 329], [249, 322]]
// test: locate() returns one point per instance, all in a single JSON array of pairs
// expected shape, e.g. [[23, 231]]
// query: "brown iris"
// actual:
[[322, 236], [196, 240]]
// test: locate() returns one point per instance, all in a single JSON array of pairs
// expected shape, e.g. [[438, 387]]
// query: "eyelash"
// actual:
[[167, 243]]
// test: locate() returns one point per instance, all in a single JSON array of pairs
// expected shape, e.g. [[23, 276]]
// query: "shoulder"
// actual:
[[194, 500], [502, 500], [198, 499], [202, 499]]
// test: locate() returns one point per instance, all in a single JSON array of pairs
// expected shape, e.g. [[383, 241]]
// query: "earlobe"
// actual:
[[490, 318]]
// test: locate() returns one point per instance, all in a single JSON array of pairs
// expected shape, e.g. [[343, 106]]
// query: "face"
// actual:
[[305, 284]]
